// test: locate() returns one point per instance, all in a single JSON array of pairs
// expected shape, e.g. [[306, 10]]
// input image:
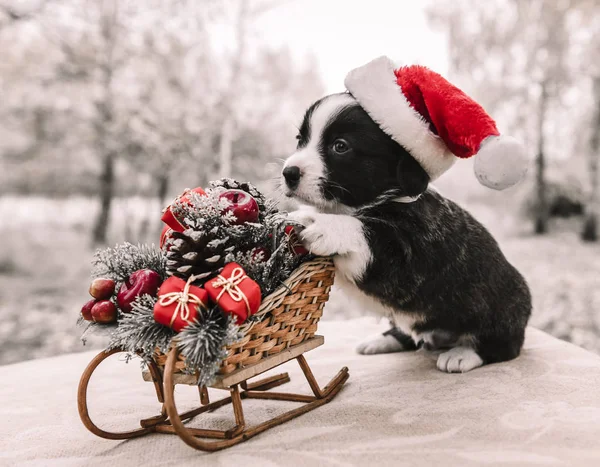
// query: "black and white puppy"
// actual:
[[400, 248]]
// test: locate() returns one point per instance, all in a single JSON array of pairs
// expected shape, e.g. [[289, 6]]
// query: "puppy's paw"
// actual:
[[332, 234], [379, 344], [459, 360], [304, 215]]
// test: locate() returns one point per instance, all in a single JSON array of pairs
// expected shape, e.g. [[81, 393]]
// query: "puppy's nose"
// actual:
[[292, 176]]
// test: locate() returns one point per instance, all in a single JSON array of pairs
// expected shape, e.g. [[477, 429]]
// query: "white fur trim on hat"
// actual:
[[501, 162], [375, 88]]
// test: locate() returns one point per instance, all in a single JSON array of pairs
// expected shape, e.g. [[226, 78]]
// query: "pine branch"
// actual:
[[120, 262], [137, 332], [204, 342]]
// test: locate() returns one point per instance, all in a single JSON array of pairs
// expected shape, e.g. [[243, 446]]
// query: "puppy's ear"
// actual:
[[412, 178]]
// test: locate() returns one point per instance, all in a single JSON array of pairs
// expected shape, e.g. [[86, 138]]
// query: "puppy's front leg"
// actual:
[[330, 234]]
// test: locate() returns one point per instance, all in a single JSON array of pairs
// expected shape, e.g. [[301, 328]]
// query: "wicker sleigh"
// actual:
[[289, 319]]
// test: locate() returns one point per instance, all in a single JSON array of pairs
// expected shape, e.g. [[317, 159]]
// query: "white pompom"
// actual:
[[501, 162]]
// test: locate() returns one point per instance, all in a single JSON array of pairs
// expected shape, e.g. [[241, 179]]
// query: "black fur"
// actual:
[[431, 258]]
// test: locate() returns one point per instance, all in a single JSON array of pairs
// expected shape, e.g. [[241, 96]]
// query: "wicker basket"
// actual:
[[286, 330], [289, 316]]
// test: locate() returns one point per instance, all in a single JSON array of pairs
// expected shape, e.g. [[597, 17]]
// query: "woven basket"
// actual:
[[289, 316]]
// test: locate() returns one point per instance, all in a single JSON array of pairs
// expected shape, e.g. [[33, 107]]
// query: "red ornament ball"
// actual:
[[243, 205], [144, 281]]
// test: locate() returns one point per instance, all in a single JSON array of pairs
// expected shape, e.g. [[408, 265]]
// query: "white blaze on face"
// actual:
[[308, 159]]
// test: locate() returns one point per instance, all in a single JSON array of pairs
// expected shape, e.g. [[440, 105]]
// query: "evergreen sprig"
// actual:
[[120, 262], [138, 332], [204, 342]]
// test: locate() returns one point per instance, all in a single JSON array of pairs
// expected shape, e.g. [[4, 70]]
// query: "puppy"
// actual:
[[400, 248]]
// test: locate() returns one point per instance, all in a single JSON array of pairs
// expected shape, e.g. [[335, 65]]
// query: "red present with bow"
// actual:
[[234, 292], [169, 218], [179, 303], [165, 235]]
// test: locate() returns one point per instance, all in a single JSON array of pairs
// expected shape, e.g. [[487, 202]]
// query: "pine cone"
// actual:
[[196, 252]]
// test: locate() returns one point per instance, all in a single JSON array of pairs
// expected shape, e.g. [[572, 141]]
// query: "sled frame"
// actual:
[[170, 421]]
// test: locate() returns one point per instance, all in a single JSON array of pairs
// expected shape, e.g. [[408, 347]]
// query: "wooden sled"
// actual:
[[172, 422], [286, 330]]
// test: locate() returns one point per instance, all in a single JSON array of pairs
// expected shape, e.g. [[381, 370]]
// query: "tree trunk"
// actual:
[[541, 220], [107, 186], [225, 148], [104, 121], [590, 225], [162, 182], [228, 126]]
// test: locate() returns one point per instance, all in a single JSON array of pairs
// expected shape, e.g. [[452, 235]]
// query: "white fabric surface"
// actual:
[[396, 409]]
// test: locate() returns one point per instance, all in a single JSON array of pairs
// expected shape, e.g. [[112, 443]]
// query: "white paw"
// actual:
[[304, 215], [379, 344], [330, 234], [459, 360]]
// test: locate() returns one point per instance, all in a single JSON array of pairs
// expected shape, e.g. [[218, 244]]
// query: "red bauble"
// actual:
[[144, 281], [294, 241], [169, 218], [104, 312], [234, 292], [102, 288], [243, 206], [86, 310]]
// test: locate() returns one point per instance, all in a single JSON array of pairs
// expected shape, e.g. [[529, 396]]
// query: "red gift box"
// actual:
[[165, 235], [179, 302], [234, 292], [169, 218]]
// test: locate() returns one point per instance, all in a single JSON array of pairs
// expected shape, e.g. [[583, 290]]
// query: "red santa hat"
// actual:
[[436, 122]]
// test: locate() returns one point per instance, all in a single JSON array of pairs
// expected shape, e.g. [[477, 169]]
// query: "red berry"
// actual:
[[104, 312], [86, 310], [102, 288], [144, 281], [243, 206]]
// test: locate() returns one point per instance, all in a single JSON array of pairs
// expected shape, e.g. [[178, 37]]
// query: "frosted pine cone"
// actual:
[[197, 253]]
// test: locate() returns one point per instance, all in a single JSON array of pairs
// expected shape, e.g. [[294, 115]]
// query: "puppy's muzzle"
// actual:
[[292, 176]]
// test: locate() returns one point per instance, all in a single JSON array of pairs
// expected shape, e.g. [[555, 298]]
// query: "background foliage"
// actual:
[[109, 108]]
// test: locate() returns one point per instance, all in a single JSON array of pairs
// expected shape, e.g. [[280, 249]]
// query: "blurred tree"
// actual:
[[514, 55], [588, 66], [590, 226], [117, 97]]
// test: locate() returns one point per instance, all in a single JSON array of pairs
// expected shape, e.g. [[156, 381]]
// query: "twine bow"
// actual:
[[183, 299], [231, 286]]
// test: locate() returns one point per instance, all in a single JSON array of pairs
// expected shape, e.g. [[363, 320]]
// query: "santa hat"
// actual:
[[436, 122]]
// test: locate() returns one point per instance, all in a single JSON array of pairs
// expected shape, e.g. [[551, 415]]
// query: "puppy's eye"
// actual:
[[340, 146], [298, 137]]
